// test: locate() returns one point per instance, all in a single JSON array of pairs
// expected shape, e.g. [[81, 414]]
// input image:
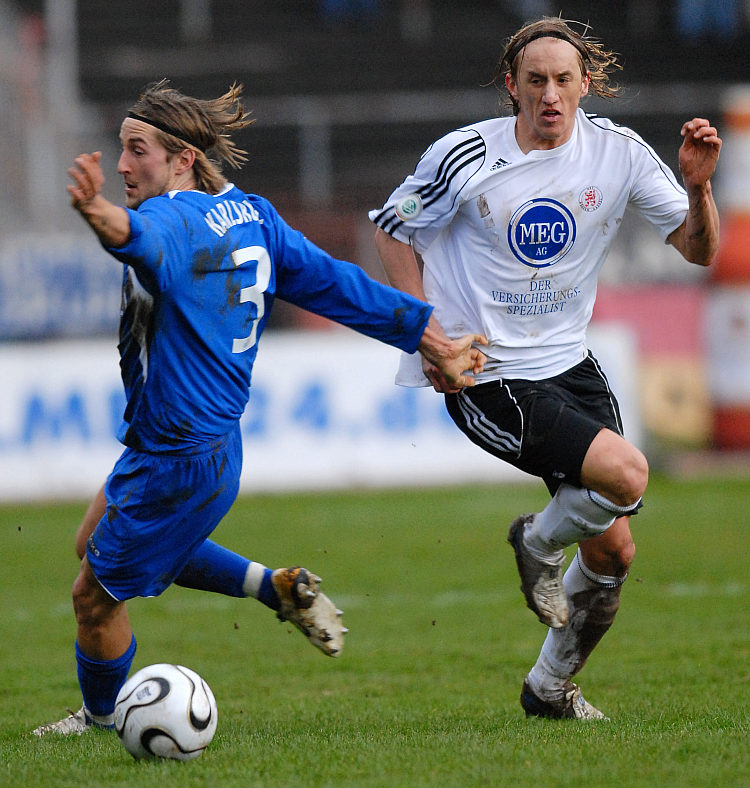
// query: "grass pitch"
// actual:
[[426, 690]]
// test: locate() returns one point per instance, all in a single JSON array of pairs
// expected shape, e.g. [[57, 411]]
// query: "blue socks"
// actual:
[[267, 593], [100, 681], [211, 568], [214, 568]]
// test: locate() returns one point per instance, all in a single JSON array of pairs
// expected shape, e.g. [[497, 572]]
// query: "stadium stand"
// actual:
[[441, 49], [345, 107]]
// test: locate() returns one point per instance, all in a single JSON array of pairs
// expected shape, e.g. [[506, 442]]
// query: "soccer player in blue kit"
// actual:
[[513, 218], [203, 263]]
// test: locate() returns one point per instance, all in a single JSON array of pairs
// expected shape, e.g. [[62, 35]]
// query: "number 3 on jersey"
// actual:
[[253, 293]]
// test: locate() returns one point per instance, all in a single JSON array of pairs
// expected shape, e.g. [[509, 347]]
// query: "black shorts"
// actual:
[[543, 427]]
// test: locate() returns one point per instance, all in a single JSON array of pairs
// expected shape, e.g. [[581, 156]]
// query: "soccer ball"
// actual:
[[165, 711]]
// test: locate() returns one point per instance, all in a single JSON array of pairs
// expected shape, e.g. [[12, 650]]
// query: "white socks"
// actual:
[[103, 721], [573, 514], [592, 603]]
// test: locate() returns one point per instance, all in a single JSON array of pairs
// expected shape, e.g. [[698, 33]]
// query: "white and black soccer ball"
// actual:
[[165, 711]]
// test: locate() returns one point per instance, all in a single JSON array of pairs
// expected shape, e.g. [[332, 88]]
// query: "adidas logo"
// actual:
[[499, 164]]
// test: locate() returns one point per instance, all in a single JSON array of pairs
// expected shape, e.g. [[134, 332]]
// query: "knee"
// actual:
[[611, 554], [621, 557], [90, 608], [616, 469], [637, 475], [631, 479], [82, 599]]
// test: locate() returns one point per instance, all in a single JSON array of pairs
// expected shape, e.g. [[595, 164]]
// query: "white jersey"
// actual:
[[513, 243]]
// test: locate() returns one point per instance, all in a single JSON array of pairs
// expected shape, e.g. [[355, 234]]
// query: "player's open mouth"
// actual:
[[551, 117]]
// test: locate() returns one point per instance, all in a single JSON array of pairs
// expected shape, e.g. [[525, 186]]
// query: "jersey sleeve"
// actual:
[[656, 193], [309, 277], [427, 201], [156, 237]]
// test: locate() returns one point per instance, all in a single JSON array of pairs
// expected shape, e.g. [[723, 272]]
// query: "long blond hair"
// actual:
[[595, 60], [205, 126]]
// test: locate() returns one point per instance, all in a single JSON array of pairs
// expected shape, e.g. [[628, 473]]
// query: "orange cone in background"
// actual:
[[728, 308]]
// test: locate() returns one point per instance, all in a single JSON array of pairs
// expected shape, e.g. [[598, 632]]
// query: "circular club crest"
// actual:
[[541, 232], [409, 207], [590, 199]]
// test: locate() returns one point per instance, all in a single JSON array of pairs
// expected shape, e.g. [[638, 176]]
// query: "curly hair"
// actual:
[[595, 60], [203, 125]]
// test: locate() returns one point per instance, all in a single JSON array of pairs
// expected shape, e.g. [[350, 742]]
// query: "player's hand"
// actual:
[[88, 179], [111, 223], [699, 151], [439, 383], [457, 367]]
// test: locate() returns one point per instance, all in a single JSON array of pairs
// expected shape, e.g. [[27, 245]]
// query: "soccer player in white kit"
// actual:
[[504, 227]]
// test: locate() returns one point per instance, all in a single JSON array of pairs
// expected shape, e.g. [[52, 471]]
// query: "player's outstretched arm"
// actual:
[[697, 238], [111, 223]]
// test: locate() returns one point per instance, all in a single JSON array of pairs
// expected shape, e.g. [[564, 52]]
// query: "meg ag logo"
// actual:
[[541, 232]]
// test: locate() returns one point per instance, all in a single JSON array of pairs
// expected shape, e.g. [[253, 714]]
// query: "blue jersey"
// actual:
[[201, 275]]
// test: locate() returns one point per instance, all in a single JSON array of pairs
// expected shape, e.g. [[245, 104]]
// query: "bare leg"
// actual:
[[615, 468], [103, 624], [94, 513]]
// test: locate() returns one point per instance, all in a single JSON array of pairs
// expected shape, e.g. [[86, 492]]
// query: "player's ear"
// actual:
[[510, 84], [585, 84], [185, 160]]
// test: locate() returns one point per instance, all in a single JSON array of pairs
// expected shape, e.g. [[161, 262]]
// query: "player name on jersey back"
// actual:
[[229, 213]]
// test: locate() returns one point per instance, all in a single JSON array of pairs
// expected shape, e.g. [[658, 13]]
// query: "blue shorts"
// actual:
[[160, 509]]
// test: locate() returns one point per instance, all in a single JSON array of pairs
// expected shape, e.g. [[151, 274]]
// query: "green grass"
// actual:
[[426, 690]]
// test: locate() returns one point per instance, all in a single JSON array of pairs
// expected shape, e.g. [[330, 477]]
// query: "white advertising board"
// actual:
[[324, 413]]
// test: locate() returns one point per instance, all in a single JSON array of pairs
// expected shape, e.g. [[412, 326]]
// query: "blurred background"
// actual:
[[347, 94]]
